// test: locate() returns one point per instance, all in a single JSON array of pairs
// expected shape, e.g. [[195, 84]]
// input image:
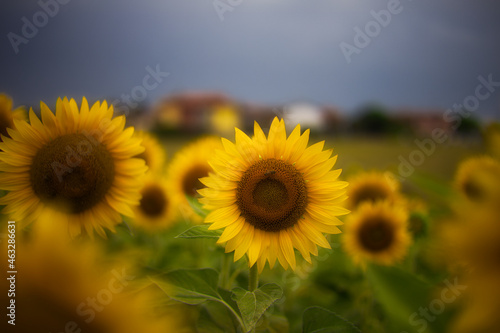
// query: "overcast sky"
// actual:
[[429, 55]]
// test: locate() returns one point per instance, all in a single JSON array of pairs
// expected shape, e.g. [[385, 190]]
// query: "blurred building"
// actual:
[[423, 121], [189, 111]]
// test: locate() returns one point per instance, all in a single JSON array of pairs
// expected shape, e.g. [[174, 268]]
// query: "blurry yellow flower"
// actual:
[[481, 312], [377, 232], [478, 180], [7, 115], [473, 236], [187, 166], [372, 187], [224, 119], [77, 163], [272, 195], [67, 287], [156, 209], [154, 154], [472, 240]]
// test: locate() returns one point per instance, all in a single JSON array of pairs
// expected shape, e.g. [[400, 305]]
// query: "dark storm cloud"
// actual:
[[429, 55]]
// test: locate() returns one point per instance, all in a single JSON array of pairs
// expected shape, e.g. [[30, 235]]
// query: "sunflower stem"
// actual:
[[225, 270], [253, 278]]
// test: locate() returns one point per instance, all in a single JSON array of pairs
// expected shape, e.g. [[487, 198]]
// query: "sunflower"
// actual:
[[224, 119], [188, 165], [156, 208], [372, 186], [478, 179], [66, 286], [7, 115], [377, 232], [272, 195], [77, 164], [471, 242], [154, 155]]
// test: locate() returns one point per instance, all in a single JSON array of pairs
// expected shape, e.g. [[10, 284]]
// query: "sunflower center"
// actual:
[[376, 235], [370, 193], [272, 195], [153, 202], [72, 172], [473, 191], [191, 183]]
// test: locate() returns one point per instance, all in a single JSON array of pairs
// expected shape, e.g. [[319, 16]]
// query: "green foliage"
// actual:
[[374, 120], [190, 286], [252, 305], [197, 286], [402, 295], [196, 206], [200, 231], [319, 320]]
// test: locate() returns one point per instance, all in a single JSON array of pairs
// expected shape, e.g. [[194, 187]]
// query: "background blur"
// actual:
[[424, 58]]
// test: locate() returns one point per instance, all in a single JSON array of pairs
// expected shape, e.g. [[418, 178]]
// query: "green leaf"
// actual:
[[200, 231], [319, 320], [195, 286], [191, 286], [196, 206], [215, 318], [400, 294], [253, 305]]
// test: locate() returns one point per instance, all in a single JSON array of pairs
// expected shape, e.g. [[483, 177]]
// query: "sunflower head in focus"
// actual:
[[7, 115], [377, 232], [478, 180], [273, 194], [372, 187], [154, 155], [76, 164], [186, 168], [156, 209]]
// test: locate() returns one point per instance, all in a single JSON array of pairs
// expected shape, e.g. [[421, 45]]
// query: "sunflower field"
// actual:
[[277, 228]]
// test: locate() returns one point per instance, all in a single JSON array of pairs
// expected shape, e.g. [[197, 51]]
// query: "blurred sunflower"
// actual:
[[76, 163], [272, 195], [154, 154], [471, 242], [377, 232], [224, 119], [156, 209], [75, 287], [7, 115], [186, 168], [478, 179], [372, 187]]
